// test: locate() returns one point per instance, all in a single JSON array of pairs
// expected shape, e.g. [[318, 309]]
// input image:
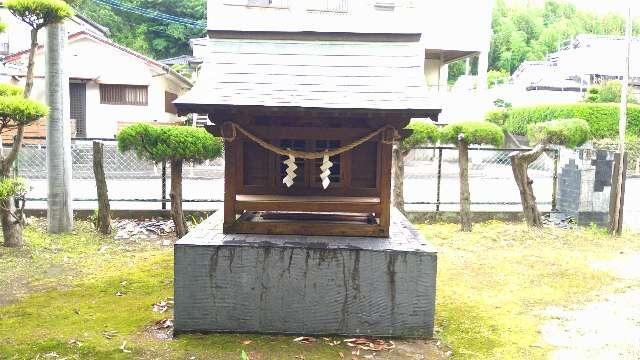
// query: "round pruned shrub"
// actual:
[[10, 90], [569, 133], [473, 132], [16, 110], [602, 118], [424, 133], [39, 13], [170, 142]]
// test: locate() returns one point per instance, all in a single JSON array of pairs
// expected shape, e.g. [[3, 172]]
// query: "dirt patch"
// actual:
[[608, 328]]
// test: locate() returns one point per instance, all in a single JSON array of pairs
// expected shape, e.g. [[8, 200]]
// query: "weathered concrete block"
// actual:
[[305, 285]]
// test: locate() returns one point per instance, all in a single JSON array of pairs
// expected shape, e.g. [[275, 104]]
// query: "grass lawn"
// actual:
[[86, 296]]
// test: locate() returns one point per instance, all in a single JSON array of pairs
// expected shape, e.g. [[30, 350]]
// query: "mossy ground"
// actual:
[[64, 293]]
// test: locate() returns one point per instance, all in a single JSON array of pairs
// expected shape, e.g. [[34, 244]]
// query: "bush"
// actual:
[[10, 90], [423, 133], [15, 110], [3, 27], [602, 118], [170, 142], [608, 92], [39, 13], [475, 132], [11, 186], [570, 133]]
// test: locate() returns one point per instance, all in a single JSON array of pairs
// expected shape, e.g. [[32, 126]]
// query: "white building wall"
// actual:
[[97, 63]]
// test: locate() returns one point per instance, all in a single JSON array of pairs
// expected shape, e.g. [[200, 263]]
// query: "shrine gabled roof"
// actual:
[[318, 74]]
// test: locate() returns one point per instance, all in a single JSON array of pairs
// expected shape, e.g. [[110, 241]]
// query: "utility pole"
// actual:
[[616, 217]]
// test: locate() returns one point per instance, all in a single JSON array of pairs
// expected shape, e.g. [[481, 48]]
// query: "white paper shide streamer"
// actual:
[[326, 171], [291, 171]]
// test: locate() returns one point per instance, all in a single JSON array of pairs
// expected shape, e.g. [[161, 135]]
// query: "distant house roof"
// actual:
[[104, 31], [319, 74], [13, 58], [181, 60]]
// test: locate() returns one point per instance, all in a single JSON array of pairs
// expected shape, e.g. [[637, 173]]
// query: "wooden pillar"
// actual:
[[230, 179], [386, 159]]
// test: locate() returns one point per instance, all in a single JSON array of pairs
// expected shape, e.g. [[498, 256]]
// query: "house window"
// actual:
[[169, 107], [137, 95]]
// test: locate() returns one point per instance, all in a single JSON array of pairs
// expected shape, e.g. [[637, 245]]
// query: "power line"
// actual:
[[150, 13]]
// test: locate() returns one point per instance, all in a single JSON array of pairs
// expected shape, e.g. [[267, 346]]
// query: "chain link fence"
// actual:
[[431, 178]]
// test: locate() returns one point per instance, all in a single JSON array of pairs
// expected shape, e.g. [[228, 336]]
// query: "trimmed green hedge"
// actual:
[[602, 118], [475, 133], [570, 133]]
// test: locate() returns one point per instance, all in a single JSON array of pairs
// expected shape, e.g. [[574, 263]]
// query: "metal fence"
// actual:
[[431, 178]]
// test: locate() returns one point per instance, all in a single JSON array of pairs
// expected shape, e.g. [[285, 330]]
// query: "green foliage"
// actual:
[[570, 133], [12, 186], [497, 77], [10, 90], [423, 133], [169, 143], [16, 110], [39, 13], [474, 132], [632, 146], [602, 118], [153, 37], [529, 32], [609, 92], [3, 27]]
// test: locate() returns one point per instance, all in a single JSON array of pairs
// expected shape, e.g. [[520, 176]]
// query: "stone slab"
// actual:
[[314, 285]]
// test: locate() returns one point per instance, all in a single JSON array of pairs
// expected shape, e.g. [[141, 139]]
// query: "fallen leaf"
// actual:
[[110, 334], [123, 347], [246, 342], [304, 340], [74, 342], [119, 294], [163, 324]]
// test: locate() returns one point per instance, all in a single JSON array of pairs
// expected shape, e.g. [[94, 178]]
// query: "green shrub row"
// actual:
[[475, 132], [602, 118], [570, 133]]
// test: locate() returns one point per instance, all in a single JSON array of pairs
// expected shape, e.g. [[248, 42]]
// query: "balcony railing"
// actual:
[[339, 6], [268, 3], [4, 48]]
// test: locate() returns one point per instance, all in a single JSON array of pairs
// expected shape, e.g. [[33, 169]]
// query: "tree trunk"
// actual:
[[465, 195], [398, 178], [11, 227], [104, 209], [59, 204], [176, 198], [520, 164], [31, 64]]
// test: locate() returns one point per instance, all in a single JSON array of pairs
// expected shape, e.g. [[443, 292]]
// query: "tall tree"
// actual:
[[59, 201], [462, 135], [149, 34], [177, 145], [15, 112], [570, 133]]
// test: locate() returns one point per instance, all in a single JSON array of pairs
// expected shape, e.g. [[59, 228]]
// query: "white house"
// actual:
[[110, 85]]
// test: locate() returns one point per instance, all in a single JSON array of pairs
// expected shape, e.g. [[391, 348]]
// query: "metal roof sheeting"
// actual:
[[312, 74]]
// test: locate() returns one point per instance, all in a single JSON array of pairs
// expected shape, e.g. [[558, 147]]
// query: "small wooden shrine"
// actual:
[[309, 125]]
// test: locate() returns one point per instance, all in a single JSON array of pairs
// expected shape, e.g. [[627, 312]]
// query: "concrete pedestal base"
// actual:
[[305, 285]]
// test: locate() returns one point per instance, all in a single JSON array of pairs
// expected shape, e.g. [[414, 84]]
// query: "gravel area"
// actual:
[[608, 328]]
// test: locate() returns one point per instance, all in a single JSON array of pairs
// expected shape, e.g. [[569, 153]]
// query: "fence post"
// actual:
[[439, 180], [164, 185], [554, 194]]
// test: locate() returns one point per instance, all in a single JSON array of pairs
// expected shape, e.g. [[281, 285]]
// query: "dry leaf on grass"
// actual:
[[74, 342], [304, 340], [163, 324], [123, 347], [110, 334], [247, 342], [162, 306], [370, 344]]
